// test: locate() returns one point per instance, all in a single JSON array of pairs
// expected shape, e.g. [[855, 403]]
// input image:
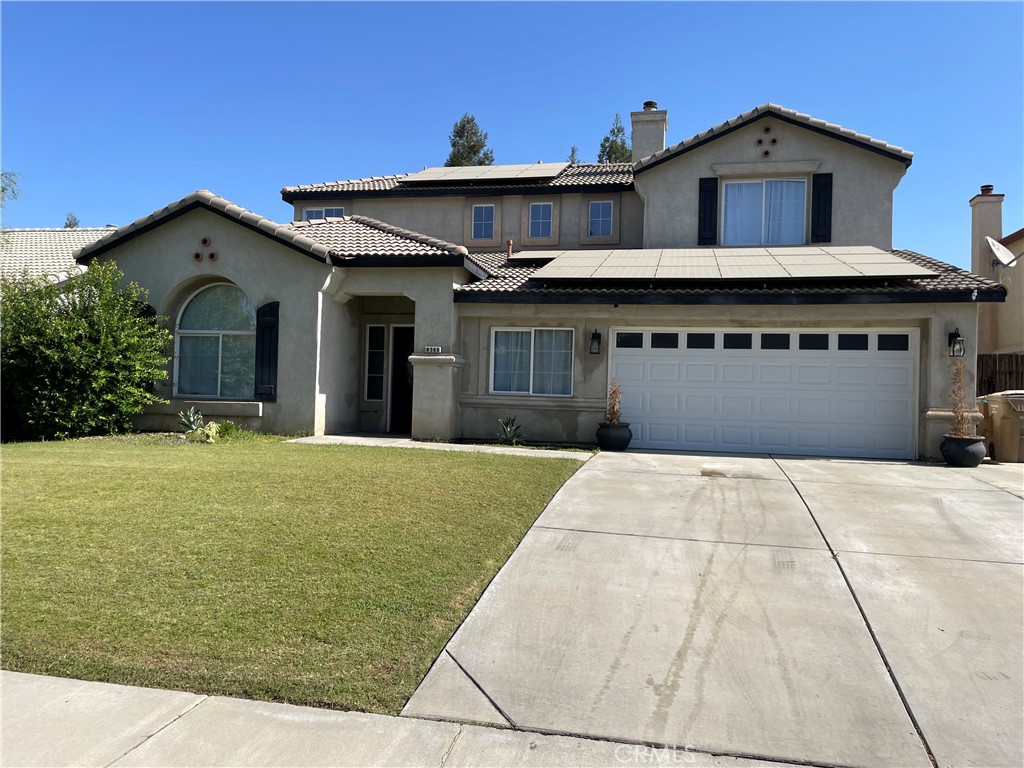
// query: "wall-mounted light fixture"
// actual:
[[595, 342], [957, 348]]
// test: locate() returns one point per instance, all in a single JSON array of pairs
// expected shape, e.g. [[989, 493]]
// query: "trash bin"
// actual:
[[1007, 412]]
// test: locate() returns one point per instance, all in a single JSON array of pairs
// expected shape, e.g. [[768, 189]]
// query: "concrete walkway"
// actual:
[[665, 609], [378, 441], [50, 721], [797, 610]]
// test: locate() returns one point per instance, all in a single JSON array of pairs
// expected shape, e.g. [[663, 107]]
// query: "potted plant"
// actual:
[[612, 433], [960, 447]]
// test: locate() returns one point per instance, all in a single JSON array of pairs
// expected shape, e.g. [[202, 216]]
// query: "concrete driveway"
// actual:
[[799, 610]]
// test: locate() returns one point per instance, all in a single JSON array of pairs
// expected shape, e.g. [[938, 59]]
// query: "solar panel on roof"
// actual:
[[511, 172], [774, 263]]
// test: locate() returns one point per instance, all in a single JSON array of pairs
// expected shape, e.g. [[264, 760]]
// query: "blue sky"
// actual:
[[113, 110]]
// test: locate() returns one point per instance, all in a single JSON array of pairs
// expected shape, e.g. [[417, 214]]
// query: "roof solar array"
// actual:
[[469, 173], [768, 263]]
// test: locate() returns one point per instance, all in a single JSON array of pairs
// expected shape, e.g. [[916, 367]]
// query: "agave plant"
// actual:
[[511, 433]]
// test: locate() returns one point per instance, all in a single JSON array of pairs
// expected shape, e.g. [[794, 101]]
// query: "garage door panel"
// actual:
[[774, 407], [738, 437], [809, 407], [699, 373], [813, 374], [733, 373], [663, 372], [774, 374], [736, 405], [852, 374]]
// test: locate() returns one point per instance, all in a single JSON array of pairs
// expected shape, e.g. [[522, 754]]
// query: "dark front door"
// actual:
[[401, 381]]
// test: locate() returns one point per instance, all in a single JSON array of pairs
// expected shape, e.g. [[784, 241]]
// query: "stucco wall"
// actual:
[[162, 261], [863, 182], [574, 419], [446, 217]]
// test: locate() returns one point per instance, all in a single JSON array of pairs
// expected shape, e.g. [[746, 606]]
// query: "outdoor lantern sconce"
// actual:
[[595, 342], [956, 344]]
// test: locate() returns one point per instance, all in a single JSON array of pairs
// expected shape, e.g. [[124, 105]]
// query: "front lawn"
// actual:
[[321, 575]]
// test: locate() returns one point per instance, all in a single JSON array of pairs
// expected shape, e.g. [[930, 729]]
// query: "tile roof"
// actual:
[[773, 110], [324, 240], [353, 236], [44, 252], [580, 175], [511, 282]]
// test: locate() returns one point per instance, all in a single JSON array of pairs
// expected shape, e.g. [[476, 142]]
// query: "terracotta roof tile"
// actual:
[[352, 236], [44, 252], [323, 240]]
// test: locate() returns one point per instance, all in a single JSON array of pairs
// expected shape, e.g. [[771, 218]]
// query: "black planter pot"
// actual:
[[613, 437], [962, 451]]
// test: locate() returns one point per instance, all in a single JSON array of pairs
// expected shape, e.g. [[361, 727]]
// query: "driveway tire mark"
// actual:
[[864, 618]]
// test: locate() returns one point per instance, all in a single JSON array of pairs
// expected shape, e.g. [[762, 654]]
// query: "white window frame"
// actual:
[[220, 348], [532, 331], [611, 218], [540, 221], [764, 203], [308, 213], [472, 222]]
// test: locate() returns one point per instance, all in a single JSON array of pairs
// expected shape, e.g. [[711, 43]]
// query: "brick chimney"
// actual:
[[986, 219], [649, 128]]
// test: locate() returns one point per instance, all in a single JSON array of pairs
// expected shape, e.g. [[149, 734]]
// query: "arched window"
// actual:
[[216, 344]]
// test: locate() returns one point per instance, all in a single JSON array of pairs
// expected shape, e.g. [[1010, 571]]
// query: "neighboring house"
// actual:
[[1000, 326], [740, 285], [44, 252]]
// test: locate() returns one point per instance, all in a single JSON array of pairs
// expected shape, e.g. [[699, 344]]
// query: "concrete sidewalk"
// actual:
[[50, 721]]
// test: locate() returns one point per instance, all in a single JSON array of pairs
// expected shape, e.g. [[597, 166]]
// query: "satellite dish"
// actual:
[[1002, 253]]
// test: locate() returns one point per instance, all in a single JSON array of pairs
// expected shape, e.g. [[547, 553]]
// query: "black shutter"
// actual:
[[266, 352], [821, 208], [707, 212]]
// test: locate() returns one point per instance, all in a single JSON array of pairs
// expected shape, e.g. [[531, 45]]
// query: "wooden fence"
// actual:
[[998, 373]]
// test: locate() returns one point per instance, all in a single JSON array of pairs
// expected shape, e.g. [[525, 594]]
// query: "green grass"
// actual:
[[322, 575]]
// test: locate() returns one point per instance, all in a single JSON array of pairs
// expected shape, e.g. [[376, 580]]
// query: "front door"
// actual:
[[401, 380]]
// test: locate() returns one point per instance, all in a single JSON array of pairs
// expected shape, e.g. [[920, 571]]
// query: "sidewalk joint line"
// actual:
[[154, 733], [694, 750], [867, 622], [487, 696], [930, 557]]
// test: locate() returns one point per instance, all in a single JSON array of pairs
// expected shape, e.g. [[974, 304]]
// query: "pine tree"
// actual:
[[71, 222], [574, 154], [469, 144], [614, 147]]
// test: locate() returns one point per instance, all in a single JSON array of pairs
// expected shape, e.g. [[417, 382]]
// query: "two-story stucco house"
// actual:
[[740, 285]]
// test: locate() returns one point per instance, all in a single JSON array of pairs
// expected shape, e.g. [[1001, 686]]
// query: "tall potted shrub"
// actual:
[[613, 434], [960, 447]]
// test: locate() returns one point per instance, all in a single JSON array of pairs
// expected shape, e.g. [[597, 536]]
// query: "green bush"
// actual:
[[77, 359]]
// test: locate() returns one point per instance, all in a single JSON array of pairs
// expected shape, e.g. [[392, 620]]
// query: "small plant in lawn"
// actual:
[[511, 433], [195, 429], [190, 420]]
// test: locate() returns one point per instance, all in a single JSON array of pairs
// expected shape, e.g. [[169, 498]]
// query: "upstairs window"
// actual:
[[322, 213], [600, 219], [483, 222], [764, 212], [540, 220], [216, 344]]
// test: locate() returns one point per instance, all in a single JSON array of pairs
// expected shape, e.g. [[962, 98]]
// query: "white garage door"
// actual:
[[801, 391]]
